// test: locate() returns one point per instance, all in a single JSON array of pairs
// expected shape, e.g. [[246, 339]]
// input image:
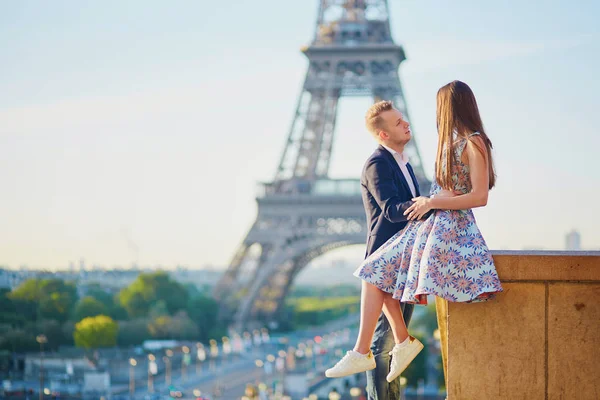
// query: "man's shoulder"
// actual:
[[378, 156], [374, 163]]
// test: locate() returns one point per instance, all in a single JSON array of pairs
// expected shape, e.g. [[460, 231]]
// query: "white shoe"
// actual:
[[352, 363], [402, 355]]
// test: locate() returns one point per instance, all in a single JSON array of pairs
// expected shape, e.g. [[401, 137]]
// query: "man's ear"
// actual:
[[383, 135]]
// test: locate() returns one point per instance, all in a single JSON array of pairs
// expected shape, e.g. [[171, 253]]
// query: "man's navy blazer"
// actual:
[[386, 195]]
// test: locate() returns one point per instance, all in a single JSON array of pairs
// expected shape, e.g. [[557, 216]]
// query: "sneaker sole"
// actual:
[[390, 378], [347, 373]]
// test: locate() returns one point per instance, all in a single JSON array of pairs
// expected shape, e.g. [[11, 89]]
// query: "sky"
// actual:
[[135, 132]]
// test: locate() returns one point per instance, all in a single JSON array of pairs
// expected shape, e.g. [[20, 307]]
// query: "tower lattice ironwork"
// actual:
[[302, 213]]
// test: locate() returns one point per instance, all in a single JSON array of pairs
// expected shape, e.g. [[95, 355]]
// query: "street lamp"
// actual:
[[214, 353], [184, 362], [41, 339], [152, 370], [200, 357], [167, 360], [132, 364], [226, 346]]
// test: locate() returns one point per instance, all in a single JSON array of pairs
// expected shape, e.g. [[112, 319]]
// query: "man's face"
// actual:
[[396, 129]]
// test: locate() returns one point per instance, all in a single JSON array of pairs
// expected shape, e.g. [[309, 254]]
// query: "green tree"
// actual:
[[29, 290], [6, 304], [18, 341], [96, 332], [95, 290], [133, 332], [204, 312], [67, 330], [26, 298], [158, 309], [150, 288], [52, 330], [177, 327], [8, 310], [45, 298], [89, 307]]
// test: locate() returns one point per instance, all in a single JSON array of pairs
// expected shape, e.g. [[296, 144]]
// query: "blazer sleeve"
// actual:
[[381, 184]]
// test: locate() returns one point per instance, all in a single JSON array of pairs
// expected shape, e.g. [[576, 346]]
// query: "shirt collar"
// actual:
[[398, 156]]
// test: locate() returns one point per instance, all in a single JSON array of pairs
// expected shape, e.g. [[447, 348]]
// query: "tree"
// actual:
[[150, 288], [178, 327], [95, 290], [51, 329], [45, 298], [158, 309], [133, 332], [204, 312], [18, 341], [96, 332], [8, 310], [89, 307], [6, 304], [29, 290], [26, 298]]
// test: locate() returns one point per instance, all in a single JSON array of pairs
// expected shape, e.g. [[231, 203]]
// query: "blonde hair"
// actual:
[[373, 120], [457, 111]]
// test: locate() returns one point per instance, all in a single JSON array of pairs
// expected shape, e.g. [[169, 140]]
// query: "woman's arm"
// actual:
[[477, 159]]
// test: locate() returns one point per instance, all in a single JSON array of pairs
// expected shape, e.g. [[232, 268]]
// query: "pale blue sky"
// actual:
[[137, 130]]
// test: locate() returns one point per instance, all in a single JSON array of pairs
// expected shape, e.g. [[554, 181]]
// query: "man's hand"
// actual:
[[422, 205], [419, 208]]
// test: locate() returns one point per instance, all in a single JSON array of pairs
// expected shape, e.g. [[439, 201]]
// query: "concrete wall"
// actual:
[[539, 339]]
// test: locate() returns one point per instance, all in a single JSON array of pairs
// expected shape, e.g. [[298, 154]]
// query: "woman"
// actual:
[[443, 255]]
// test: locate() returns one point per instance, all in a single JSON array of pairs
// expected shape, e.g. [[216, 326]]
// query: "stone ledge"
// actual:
[[537, 340]]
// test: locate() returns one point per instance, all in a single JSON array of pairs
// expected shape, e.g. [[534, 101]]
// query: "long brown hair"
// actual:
[[457, 111]]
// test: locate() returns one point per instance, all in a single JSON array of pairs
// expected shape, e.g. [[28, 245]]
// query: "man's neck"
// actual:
[[399, 148]]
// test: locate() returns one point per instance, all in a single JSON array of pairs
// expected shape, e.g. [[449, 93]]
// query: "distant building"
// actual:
[[573, 240], [5, 279]]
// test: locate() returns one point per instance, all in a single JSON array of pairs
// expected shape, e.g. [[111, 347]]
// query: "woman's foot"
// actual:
[[402, 355], [352, 363]]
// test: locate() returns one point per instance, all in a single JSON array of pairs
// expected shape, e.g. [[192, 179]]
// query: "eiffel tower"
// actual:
[[302, 213]]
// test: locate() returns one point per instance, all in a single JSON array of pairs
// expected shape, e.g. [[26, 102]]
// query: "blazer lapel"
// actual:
[[396, 168], [414, 178]]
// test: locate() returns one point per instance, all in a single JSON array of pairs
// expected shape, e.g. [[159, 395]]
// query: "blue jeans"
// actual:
[[378, 387]]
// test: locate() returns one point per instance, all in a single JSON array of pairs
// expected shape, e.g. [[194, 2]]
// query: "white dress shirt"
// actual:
[[402, 160]]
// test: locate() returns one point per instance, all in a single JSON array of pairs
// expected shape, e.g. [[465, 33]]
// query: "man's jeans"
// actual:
[[378, 387]]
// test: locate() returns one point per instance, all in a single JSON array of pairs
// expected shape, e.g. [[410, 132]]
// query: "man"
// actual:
[[388, 184]]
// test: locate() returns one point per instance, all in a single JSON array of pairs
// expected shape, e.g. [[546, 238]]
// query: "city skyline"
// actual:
[[113, 142]]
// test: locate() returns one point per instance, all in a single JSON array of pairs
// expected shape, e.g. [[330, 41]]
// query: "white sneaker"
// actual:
[[402, 355], [352, 363]]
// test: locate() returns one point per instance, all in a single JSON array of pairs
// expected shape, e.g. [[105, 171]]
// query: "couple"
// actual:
[[419, 246]]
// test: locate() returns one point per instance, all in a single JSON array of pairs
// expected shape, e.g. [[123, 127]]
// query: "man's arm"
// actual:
[[380, 182]]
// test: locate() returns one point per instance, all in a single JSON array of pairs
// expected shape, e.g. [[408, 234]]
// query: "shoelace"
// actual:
[[348, 355], [394, 359]]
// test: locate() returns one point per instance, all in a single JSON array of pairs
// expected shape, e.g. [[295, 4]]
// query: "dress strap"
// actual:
[[462, 144]]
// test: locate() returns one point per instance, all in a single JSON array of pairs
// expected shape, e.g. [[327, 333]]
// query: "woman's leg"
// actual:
[[371, 304], [372, 301], [393, 312]]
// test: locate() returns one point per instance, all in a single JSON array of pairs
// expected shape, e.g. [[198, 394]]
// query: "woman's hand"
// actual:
[[420, 207]]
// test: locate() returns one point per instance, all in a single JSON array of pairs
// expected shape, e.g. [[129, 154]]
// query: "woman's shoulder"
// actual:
[[475, 139]]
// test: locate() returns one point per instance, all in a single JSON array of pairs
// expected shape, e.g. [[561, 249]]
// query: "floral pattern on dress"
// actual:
[[444, 255]]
